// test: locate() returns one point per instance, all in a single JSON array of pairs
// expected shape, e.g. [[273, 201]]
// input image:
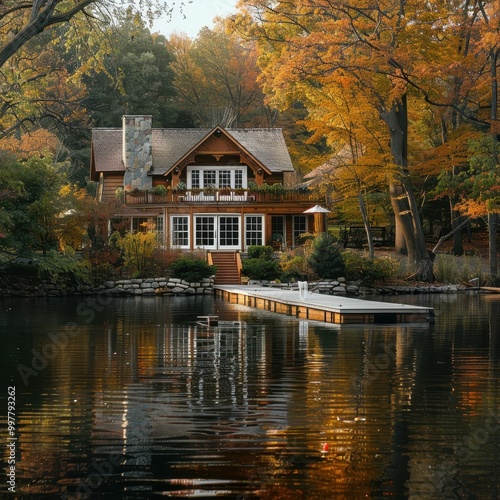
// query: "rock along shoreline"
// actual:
[[175, 287], [128, 287]]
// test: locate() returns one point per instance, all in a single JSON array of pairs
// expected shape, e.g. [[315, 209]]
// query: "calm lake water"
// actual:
[[129, 398]]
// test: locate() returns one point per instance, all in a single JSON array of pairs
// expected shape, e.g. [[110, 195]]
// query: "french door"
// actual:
[[217, 232]]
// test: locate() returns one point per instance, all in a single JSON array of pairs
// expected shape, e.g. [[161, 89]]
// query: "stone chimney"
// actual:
[[137, 151]]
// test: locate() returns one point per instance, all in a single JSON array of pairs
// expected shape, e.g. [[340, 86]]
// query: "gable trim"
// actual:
[[189, 156]]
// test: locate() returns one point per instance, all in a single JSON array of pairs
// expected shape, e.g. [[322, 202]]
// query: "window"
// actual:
[[299, 227], [180, 231], [254, 225], [224, 178], [205, 231], [278, 228], [209, 178], [140, 224], [146, 225], [229, 229], [195, 179], [159, 230], [238, 179], [219, 177]]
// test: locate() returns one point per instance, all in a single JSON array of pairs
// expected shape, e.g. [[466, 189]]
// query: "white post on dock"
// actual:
[[303, 289]]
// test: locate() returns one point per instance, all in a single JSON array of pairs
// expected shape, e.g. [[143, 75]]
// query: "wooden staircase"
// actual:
[[228, 267]]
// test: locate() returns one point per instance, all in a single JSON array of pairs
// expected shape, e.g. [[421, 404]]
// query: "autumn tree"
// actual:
[[138, 248], [480, 189], [390, 49], [216, 78], [352, 131]]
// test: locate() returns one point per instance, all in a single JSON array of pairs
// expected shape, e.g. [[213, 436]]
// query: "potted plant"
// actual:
[[120, 194], [209, 190], [181, 187], [159, 193], [160, 190]]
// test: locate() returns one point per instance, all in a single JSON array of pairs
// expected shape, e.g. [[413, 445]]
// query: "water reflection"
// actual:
[[143, 401]]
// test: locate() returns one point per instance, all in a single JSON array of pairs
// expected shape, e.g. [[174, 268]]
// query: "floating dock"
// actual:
[[326, 308]]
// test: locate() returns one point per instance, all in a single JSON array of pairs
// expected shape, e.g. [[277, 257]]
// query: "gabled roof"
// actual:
[[267, 146], [326, 170]]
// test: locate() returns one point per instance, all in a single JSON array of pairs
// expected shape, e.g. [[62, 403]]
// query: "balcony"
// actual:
[[218, 196]]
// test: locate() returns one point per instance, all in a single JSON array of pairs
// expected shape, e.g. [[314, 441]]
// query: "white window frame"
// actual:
[[262, 232], [236, 180], [172, 227], [216, 235]]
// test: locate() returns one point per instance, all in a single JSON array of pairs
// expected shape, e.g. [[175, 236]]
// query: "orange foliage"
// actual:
[[39, 142]]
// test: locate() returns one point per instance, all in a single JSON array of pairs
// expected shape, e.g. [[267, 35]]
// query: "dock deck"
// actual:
[[326, 308]]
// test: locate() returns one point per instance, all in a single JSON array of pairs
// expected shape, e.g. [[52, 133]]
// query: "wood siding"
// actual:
[[111, 182]]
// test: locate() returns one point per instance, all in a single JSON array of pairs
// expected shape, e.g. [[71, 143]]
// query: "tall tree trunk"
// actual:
[[456, 220], [492, 235], [402, 197], [366, 222], [399, 239], [493, 217]]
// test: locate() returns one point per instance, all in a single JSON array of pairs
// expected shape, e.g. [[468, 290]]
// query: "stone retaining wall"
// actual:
[[175, 286], [341, 286], [147, 286]]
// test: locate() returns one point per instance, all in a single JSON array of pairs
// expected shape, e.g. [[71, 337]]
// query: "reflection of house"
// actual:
[[222, 189]]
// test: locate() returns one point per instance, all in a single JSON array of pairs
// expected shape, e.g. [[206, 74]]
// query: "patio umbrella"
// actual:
[[318, 210]]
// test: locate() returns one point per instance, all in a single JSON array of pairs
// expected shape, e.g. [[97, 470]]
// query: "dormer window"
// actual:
[[218, 177]]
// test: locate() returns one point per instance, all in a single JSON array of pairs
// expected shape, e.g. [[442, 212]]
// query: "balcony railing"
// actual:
[[219, 196]]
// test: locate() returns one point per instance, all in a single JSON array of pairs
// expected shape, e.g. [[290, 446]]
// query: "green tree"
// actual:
[[45, 49], [33, 204], [137, 78], [480, 190], [24, 21], [325, 258]]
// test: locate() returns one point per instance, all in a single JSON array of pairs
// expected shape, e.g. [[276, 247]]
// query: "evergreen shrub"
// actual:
[[326, 259], [260, 263], [260, 252], [191, 269]]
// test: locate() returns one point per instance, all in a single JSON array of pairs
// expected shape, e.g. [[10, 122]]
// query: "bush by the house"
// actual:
[[105, 263], [326, 259], [191, 269], [293, 267], [260, 264], [260, 252], [261, 269]]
